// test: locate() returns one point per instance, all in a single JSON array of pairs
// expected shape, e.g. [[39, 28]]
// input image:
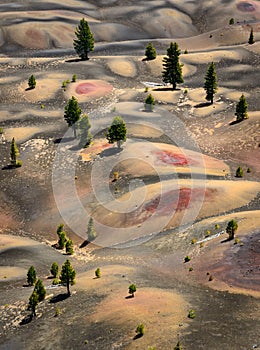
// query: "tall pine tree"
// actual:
[[251, 37], [172, 69], [72, 113], [210, 83], [85, 136], [241, 109], [14, 153], [84, 42]]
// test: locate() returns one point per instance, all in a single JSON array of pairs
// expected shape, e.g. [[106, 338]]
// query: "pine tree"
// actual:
[[91, 232], [72, 113], [172, 72], [68, 275], [54, 269], [251, 37], [231, 229], [210, 84], [33, 302], [117, 131], [40, 290], [14, 153], [32, 82], [150, 52], [149, 103], [62, 236], [84, 126], [69, 247], [132, 290], [241, 109], [239, 172], [178, 346], [84, 43], [31, 276]]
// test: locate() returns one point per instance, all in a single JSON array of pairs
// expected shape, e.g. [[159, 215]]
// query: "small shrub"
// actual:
[[1, 131], [239, 172], [65, 83], [56, 281], [113, 109], [231, 21], [193, 241], [98, 273], [201, 244], [217, 226], [178, 346], [57, 311], [185, 91], [42, 106], [18, 164], [191, 314], [146, 89], [140, 330], [187, 258], [86, 342], [207, 234], [249, 170], [208, 273], [74, 78], [210, 278], [186, 51], [116, 175], [191, 269], [32, 82]]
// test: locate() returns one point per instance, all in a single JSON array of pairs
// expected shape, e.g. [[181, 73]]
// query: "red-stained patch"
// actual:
[[172, 158], [86, 88]]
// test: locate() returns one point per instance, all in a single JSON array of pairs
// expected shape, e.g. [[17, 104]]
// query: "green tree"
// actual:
[[178, 346], [172, 69], [68, 275], [84, 42], [117, 131], [69, 247], [231, 228], [210, 83], [40, 290], [98, 273], [91, 232], [62, 236], [31, 276], [85, 136], [140, 330], [14, 153], [149, 103], [32, 82], [72, 113], [54, 269], [251, 37], [33, 302], [132, 290], [231, 21], [241, 109], [74, 78], [150, 52], [239, 172]]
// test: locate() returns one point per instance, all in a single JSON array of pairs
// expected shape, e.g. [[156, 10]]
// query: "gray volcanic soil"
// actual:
[[28, 208]]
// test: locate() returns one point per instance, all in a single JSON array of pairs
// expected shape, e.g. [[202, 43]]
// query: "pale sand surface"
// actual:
[[9, 241], [122, 66], [8, 273]]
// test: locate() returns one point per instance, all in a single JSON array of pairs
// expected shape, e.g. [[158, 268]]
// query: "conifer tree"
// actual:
[[150, 52], [117, 131], [210, 83], [251, 37], [14, 153], [91, 232], [172, 69], [31, 276], [68, 275], [72, 113], [85, 136], [32, 82], [241, 109], [149, 103], [40, 290], [84, 42], [33, 302]]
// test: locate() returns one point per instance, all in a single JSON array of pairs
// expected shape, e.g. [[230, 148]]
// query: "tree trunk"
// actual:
[[74, 130], [118, 144], [174, 86], [68, 288]]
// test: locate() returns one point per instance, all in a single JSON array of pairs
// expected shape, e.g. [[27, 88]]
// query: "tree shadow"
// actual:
[[29, 88], [226, 240], [235, 122], [110, 152], [84, 244], [63, 139], [167, 88], [72, 60], [8, 167], [59, 297], [202, 104], [137, 336], [129, 297], [27, 319]]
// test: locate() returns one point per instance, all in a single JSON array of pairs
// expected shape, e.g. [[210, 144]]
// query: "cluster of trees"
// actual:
[[67, 278], [64, 241]]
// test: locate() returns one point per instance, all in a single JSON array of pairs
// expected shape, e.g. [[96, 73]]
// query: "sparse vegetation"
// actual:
[[140, 330], [251, 39], [32, 82], [62, 237], [150, 52], [98, 273], [69, 247], [210, 84], [249, 170], [149, 103], [85, 136], [72, 114], [172, 68], [33, 302], [117, 131], [187, 258], [191, 314], [193, 240], [58, 311], [31, 276], [208, 233], [241, 109], [178, 346], [74, 78], [239, 172], [54, 269], [91, 232], [40, 290], [231, 21], [84, 42], [132, 290], [14, 154], [231, 228], [68, 275]]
